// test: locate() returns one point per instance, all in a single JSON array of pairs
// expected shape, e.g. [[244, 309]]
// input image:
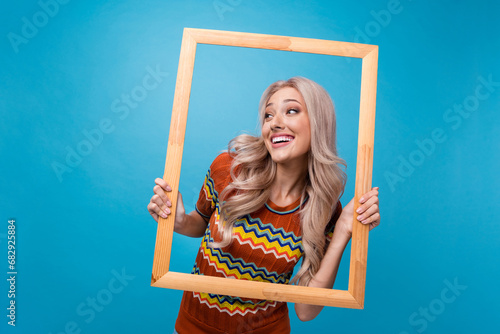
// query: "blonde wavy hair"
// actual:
[[253, 171]]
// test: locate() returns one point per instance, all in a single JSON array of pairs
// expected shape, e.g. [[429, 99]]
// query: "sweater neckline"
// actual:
[[283, 210]]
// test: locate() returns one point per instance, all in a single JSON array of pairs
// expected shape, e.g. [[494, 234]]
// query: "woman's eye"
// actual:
[[292, 111], [267, 116]]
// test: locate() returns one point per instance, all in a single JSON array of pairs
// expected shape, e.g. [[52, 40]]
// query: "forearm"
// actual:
[[327, 272], [191, 225]]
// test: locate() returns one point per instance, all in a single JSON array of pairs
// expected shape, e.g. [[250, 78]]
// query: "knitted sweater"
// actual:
[[266, 246]]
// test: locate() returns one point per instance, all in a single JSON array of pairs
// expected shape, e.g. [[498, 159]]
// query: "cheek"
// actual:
[[306, 131], [303, 127], [265, 129]]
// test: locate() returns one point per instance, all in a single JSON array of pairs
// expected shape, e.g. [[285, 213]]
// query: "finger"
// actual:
[[162, 183], [368, 203], [161, 205], [371, 193], [159, 191], [373, 219], [152, 211], [154, 208], [373, 225], [368, 213]]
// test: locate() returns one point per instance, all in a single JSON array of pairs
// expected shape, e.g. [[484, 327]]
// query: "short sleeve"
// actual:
[[216, 179], [331, 224]]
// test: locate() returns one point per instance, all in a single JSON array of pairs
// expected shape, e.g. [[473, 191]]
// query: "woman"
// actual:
[[266, 203]]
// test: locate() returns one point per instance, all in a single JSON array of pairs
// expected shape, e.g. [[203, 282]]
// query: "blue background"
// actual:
[[78, 228]]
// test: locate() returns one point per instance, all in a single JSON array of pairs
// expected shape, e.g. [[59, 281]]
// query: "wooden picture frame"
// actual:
[[162, 277]]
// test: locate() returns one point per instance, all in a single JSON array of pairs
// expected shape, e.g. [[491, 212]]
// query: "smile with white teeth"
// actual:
[[281, 139]]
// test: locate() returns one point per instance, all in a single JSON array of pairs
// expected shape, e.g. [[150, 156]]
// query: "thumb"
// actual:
[[180, 202], [349, 208]]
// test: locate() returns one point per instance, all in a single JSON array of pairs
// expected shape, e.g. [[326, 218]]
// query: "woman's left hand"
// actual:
[[367, 212]]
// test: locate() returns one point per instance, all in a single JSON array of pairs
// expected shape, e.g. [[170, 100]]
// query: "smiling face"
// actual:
[[286, 129]]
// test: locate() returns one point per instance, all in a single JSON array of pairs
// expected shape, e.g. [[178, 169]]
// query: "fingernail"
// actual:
[[164, 215], [364, 221], [360, 217], [167, 210], [169, 204], [358, 210], [168, 188], [362, 200]]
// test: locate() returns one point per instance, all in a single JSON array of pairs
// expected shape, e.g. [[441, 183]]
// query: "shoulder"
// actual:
[[223, 159], [220, 171], [222, 163]]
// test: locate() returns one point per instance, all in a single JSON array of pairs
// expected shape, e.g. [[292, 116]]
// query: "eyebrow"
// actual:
[[287, 100]]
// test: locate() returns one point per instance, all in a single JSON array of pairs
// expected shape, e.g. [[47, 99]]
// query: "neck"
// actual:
[[289, 183]]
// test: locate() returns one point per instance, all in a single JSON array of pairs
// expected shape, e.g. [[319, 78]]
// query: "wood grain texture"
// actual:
[[162, 277], [175, 148], [359, 243], [284, 43], [258, 290]]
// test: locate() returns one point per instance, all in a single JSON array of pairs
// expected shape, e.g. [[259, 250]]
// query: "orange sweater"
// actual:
[[267, 244]]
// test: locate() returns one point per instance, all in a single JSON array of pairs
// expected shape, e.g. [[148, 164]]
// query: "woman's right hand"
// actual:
[[160, 204]]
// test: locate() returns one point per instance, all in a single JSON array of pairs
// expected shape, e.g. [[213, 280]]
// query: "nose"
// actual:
[[277, 122]]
